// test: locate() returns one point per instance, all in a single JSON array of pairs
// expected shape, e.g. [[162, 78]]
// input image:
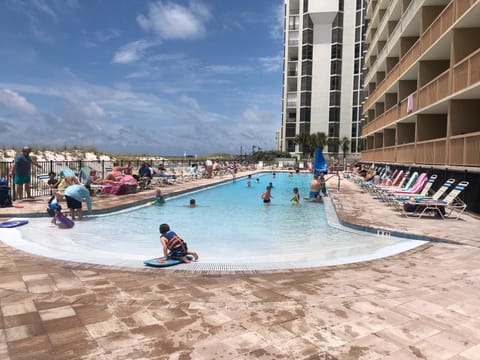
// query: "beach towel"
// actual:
[[409, 103]]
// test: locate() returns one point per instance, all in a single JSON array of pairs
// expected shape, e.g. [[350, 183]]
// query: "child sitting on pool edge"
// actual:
[[173, 246]]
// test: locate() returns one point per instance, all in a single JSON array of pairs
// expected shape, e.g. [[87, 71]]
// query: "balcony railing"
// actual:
[[431, 152], [452, 12], [464, 150], [383, 86], [466, 72], [434, 91], [406, 153]]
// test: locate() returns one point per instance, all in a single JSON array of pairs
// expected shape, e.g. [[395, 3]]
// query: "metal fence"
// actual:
[[39, 176]]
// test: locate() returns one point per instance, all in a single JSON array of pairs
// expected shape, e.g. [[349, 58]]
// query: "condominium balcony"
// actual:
[[460, 150], [439, 28]]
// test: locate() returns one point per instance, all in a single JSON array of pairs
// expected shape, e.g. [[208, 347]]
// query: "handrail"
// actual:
[[466, 58]]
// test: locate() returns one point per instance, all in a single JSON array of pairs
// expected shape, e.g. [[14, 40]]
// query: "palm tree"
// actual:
[[303, 139], [345, 144], [320, 139]]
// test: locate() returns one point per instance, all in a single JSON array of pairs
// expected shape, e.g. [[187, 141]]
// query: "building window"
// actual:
[[357, 34], [337, 35], [338, 21], [304, 128], [307, 52], [336, 67], [354, 130], [357, 50], [354, 114], [291, 99], [358, 18], [306, 83], [290, 146], [307, 22], [305, 5], [355, 98], [307, 36], [333, 129], [334, 115], [293, 38], [335, 82], [293, 23], [306, 99], [290, 130], [334, 98], [305, 115], [336, 51], [306, 68]]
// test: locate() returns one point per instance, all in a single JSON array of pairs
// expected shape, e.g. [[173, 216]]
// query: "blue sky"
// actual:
[[133, 76]]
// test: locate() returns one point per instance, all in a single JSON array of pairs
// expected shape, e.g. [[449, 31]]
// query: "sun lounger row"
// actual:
[[413, 196]]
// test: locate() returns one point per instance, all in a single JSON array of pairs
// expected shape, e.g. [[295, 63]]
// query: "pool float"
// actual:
[[166, 263], [13, 223], [64, 221]]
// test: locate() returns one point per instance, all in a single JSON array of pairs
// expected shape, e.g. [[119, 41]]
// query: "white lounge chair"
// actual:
[[444, 208]]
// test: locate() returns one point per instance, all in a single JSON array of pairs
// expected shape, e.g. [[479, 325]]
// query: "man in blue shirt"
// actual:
[[144, 173], [21, 171]]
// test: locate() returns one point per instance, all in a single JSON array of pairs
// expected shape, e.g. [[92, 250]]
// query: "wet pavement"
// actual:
[[421, 304]]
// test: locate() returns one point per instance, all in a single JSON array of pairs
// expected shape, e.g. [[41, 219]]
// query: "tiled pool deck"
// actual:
[[421, 304]]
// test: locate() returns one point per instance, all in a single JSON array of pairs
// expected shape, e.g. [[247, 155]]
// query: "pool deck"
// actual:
[[421, 304]]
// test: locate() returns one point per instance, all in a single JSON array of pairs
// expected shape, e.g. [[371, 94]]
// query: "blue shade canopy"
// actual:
[[320, 165]]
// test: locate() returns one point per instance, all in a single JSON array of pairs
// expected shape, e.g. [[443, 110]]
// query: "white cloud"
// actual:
[[276, 30], [13, 100], [192, 103], [43, 7], [172, 21], [131, 52], [227, 69], [93, 111], [272, 63]]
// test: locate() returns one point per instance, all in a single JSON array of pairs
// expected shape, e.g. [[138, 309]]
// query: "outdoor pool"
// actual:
[[230, 228]]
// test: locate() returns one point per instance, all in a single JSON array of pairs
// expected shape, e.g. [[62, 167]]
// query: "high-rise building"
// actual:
[[322, 80], [423, 84]]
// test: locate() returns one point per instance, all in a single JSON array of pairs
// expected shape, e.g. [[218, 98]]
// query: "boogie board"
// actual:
[[64, 221], [13, 223], [166, 263]]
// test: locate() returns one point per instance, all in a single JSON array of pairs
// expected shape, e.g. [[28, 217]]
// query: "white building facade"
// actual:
[[322, 81]]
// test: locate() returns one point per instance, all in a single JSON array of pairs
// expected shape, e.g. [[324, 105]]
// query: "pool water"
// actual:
[[230, 224]]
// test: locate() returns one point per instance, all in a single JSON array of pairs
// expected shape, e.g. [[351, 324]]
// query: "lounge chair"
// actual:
[[383, 191], [404, 195], [443, 207], [420, 184]]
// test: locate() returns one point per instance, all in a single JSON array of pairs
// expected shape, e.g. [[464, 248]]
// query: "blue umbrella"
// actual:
[[320, 165]]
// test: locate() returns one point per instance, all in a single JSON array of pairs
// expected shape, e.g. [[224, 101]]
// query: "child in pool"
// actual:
[[173, 246], [53, 207], [296, 197], [267, 195], [159, 199]]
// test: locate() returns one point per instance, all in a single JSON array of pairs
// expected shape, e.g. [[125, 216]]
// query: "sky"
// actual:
[[164, 77]]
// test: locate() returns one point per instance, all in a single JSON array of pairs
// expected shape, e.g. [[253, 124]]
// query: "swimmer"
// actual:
[[296, 197]]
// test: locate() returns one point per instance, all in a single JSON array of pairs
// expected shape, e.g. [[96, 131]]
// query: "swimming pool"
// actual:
[[230, 228]]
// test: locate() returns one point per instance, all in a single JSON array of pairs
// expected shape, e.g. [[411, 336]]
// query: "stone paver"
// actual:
[[421, 304]]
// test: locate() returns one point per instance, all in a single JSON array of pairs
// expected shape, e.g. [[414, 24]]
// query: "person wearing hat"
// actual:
[[21, 171]]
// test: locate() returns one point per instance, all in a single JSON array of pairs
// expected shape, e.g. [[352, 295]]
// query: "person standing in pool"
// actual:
[[173, 246], [296, 196], [321, 178], [315, 188], [267, 195]]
